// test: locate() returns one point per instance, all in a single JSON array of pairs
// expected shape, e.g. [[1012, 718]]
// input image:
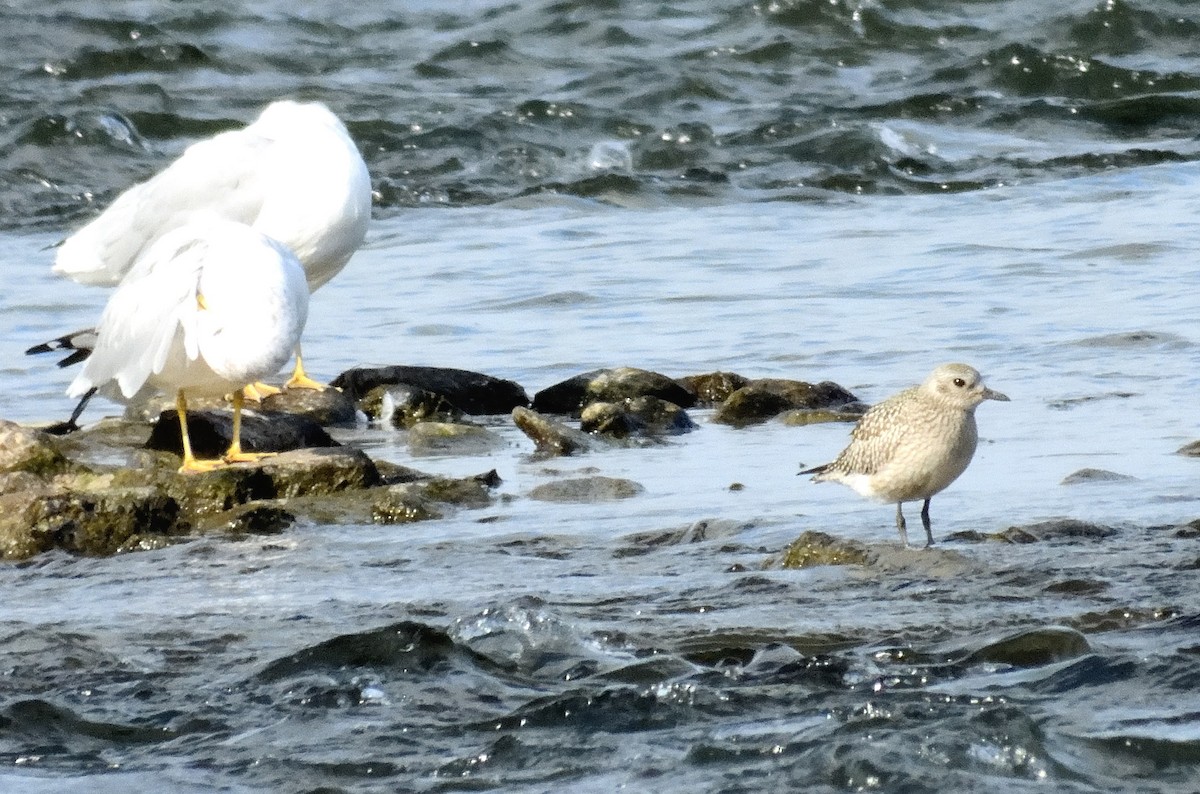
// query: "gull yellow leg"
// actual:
[[190, 463], [257, 392], [300, 379], [235, 453]]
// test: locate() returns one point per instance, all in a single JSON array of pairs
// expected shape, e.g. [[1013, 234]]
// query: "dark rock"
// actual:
[[96, 523], [470, 392], [609, 385], [819, 548], [1095, 475], [404, 406], [403, 504], [31, 451], [586, 490], [212, 431], [639, 416], [551, 437], [762, 399], [445, 438], [260, 520], [713, 388], [326, 407]]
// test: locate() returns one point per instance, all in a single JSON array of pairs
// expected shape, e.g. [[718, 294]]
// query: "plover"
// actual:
[[913, 444]]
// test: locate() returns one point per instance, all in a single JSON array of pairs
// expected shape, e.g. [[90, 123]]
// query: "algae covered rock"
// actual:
[[820, 548], [636, 416], [713, 388], [552, 437], [25, 450], [765, 398], [95, 523], [470, 392], [610, 385]]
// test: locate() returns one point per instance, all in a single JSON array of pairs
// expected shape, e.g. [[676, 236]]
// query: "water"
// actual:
[[860, 198]]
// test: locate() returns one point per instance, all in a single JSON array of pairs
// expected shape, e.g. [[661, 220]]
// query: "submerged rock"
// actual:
[[1192, 450], [212, 431], [1054, 529], [638, 416], [470, 392], [610, 385], [452, 438], [713, 388], [586, 490], [1033, 648], [763, 399], [552, 437], [1095, 475]]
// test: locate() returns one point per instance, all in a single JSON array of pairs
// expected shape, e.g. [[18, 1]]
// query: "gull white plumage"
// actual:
[[206, 309], [294, 175], [913, 444]]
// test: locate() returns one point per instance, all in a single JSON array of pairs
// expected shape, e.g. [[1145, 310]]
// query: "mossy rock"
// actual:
[[25, 450], [551, 437], [94, 524], [713, 388], [763, 399], [637, 416], [609, 385], [820, 548]]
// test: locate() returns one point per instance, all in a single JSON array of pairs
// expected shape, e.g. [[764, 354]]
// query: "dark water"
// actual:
[[844, 190], [635, 103]]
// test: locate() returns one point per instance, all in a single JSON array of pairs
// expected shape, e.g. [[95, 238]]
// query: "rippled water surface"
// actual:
[[819, 190]]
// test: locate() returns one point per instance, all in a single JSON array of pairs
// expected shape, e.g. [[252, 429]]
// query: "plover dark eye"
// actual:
[[959, 382]]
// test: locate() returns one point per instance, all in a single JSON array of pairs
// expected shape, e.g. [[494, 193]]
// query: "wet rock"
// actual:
[[314, 472], [1054, 529], [95, 523], [713, 388], [552, 437], [586, 490], [448, 438], [470, 392], [1033, 648], [212, 431], [260, 520], [609, 385], [819, 548], [403, 406], [763, 399], [415, 500], [699, 532], [639, 416], [1095, 475], [327, 407], [30, 451], [403, 504]]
